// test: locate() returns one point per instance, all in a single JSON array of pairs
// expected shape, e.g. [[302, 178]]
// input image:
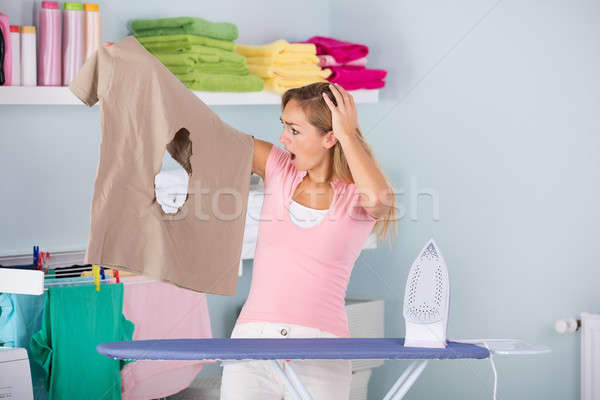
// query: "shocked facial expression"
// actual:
[[304, 141]]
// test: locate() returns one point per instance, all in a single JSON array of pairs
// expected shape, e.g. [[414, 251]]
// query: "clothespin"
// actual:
[[36, 250], [102, 276], [96, 273], [116, 275]]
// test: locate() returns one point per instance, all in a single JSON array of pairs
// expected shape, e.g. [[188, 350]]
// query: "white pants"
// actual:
[[254, 380]]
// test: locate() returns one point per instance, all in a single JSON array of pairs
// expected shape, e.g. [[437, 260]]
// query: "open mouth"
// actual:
[[293, 156]]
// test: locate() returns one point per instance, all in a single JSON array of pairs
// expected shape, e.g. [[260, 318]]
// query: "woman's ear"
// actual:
[[329, 139]]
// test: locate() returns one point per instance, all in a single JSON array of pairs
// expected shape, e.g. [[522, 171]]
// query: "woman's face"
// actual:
[[303, 140]]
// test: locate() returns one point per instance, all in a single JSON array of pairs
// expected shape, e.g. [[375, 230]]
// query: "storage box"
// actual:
[[365, 320]]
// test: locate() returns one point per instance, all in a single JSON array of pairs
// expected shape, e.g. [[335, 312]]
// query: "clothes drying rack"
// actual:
[[235, 350]]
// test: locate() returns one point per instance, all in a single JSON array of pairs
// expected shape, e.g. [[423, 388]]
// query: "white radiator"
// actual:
[[590, 356]]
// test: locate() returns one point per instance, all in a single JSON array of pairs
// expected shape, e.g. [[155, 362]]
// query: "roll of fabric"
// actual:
[[349, 73], [184, 25]]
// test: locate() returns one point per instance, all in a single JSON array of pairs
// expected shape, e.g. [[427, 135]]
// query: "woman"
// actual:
[[324, 194]]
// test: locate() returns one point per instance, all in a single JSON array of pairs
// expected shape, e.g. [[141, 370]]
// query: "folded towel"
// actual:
[[184, 25], [278, 47], [295, 72], [198, 61], [202, 55], [326, 60], [354, 74], [223, 68], [280, 85], [183, 42], [341, 51], [284, 59], [221, 83], [362, 85]]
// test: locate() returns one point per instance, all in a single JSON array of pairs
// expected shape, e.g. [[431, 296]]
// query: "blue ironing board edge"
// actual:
[[289, 348]]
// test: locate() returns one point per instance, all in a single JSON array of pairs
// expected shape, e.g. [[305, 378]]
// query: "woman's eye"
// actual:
[[295, 132]]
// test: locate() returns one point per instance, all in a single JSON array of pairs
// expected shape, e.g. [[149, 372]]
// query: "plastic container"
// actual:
[[73, 56], [28, 56], [15, 44], [92, 36], [5, 51], [50, 49]]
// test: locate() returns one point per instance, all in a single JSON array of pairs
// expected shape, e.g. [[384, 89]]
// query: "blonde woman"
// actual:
[[324, 195]]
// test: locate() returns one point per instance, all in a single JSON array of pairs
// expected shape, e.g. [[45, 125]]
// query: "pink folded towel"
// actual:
[[326, 60], [341, 51], [352, 74], [362, 85]]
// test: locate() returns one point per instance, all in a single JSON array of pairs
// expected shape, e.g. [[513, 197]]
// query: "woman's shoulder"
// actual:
[[278, 165]]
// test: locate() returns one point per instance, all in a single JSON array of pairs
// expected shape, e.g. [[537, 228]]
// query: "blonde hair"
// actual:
[[310, 99]]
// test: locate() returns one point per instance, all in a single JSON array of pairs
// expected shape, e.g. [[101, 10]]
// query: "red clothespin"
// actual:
[[116, 275]]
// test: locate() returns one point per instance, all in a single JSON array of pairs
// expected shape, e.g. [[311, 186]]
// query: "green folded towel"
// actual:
[[202, 54], [221, 83], [183, 42], [189, 63], [183, 25]]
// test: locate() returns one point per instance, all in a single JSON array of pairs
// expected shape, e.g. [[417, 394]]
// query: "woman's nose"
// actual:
[[283, 138]]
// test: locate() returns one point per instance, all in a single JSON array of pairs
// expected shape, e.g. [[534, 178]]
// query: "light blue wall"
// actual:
[[492, 106]]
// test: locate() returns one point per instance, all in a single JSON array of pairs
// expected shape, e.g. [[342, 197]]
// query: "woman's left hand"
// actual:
[[344, 120]]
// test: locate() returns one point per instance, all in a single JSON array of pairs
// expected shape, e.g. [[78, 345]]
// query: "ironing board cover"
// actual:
[[270, 349]]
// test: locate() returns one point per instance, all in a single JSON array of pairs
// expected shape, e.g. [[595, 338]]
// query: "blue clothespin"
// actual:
[[36, 253], [102, 273]]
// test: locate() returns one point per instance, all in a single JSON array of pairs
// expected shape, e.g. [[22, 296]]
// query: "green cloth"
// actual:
[[75, 320], [198, 54], [221, 83], [176, 42], [182, 63], [183, 25]]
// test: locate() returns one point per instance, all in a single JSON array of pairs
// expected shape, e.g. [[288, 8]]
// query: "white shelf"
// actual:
[[61, 95]]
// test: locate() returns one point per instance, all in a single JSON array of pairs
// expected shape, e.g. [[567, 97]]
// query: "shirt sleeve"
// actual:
[[93, 79], [278, 164], [359, 212]]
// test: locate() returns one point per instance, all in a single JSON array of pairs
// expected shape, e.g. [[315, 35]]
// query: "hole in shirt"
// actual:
[[171, 183]]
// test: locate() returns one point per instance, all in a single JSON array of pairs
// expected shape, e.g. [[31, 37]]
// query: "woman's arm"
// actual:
[[261, 152], [376, 195]]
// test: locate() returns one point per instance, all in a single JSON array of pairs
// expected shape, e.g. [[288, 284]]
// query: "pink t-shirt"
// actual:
[[300, 275]]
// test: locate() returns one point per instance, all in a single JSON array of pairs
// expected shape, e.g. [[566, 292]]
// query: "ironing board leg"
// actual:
[[406, 380], [286, 380], [297, 382]]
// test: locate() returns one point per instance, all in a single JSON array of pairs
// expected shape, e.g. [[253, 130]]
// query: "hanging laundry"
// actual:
[[198, 52], [20, 318], [146, 111], [73, 367], [162, 311]]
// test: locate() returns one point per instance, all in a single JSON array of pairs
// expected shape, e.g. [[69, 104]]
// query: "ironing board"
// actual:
[[233, 350]]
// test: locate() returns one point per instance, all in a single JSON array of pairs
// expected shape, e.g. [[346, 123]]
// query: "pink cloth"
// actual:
[[341, 51], [162, 311], [326, 60], [352, 78], [300, 275]]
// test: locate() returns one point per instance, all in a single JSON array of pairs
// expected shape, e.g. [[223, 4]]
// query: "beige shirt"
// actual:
[[144, 109]]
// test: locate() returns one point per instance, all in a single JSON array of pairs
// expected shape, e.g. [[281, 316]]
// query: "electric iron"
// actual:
[[427, 299]]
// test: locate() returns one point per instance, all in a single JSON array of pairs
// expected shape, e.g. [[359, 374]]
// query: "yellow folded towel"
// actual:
[[284, 59], [289, 72], [275, 48], [280, 85]]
